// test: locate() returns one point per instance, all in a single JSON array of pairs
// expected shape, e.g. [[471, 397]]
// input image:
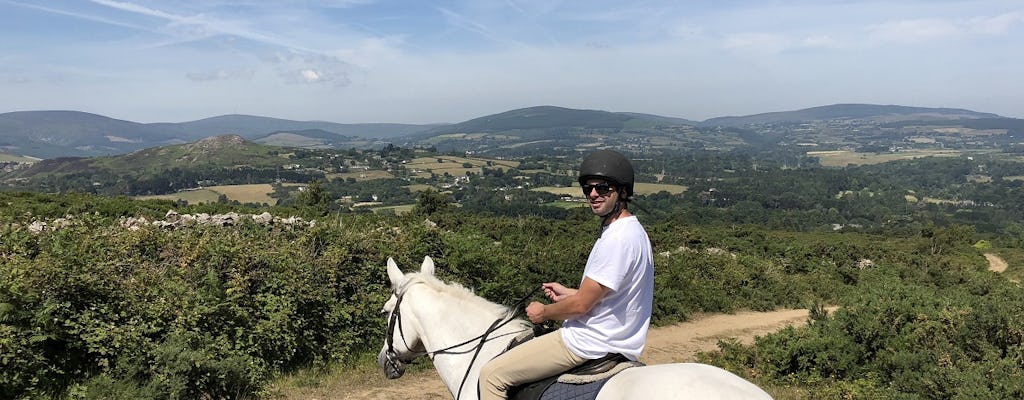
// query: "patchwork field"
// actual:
[[256, 193], [842, 158], [361, 175], [639, 188], [456, 166], [4, 157]]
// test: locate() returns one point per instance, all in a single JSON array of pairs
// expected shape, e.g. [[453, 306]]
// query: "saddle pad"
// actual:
[[568, 391], [581, 379]]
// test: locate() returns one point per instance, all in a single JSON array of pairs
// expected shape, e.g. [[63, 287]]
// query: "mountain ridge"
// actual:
[[64, 133]]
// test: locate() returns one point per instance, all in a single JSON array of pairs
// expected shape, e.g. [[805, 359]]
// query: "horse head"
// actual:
[[402, 342]]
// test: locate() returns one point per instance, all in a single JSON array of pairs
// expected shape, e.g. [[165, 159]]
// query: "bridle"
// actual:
[[393, 362]]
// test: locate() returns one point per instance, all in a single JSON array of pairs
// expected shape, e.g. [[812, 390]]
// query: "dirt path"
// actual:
[[675, 343], [995, 263]]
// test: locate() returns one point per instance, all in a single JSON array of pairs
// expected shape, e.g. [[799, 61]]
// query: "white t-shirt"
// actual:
[[621, 260]]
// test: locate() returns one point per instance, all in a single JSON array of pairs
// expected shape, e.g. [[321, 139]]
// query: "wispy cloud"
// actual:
[[929, 29], [297, 68], [384, 60], [460, 21], [221, 75], [78, 15]]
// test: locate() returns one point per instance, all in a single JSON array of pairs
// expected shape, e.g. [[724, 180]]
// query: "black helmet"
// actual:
[[609, 165]]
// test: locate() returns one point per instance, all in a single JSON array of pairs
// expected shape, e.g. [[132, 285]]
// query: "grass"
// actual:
[[399, 210], [419, 187], [639, 188], [652, 188], [842, 158], [4, 157], [456, 166], [191, 196], [255, 193], [1014, 260], [360, 176]]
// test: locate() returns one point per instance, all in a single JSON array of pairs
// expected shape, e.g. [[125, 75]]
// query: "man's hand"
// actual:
[[535, 311], [556, 292]]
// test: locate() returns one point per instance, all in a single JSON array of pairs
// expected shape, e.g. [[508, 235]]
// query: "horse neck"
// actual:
[[446, 320]]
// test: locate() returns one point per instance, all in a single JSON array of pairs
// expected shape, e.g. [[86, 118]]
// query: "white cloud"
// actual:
[[757, 42], [310, 76], [221, 75], [914, 30], [998, 25], [930, 29]]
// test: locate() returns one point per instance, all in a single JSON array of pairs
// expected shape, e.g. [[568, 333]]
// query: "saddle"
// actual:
[[579, 383]]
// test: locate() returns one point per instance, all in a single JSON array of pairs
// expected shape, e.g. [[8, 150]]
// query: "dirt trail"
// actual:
[[675, 343], [995, 263]]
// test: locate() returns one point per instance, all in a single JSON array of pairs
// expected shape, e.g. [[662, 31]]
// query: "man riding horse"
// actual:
[[610, 312]]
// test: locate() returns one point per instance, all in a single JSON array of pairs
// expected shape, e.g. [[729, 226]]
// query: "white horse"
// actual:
[[447, 321]]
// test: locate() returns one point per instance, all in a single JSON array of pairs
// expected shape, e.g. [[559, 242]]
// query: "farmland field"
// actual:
[[402, 209], [639, 188], [362, 175], [4, 157], [454, 166], [842, 158], [255, 193]]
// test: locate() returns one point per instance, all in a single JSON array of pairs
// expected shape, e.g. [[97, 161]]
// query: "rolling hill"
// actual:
[[872, 112], [51, 134], [218, 151]]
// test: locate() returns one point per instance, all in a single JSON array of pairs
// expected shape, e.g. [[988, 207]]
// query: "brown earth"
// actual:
[[675, 343]]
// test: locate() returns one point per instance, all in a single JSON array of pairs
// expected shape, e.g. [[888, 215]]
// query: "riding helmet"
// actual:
[[609, 165]]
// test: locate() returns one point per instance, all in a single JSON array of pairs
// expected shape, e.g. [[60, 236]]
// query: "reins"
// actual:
[[396, 321]]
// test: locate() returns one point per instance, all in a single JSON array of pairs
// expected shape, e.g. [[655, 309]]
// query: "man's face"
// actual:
[[601, 194]]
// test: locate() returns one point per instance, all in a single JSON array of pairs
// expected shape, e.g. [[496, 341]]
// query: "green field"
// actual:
[[362, 175], [456, 166], [639, 188], [399, 210], [4, 157], [255, 193], [842, 158]]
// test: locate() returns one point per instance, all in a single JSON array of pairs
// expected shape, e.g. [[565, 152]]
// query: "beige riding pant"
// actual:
[[536, 359]]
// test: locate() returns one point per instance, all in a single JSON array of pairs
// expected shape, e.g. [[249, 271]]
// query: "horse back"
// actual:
[[680, 381]]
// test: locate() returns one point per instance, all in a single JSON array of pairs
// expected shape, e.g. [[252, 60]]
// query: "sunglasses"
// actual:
[[602, 189]]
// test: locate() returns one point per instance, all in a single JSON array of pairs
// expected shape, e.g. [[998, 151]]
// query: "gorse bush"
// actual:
[[180, 314], [95, 310]]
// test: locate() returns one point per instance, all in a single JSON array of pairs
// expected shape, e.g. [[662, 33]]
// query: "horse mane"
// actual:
[[461, 293]]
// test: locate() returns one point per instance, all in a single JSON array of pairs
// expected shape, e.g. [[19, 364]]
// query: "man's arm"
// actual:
[[579, 303]]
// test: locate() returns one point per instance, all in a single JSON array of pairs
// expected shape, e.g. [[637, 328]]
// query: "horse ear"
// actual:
[[428, 266], [394, 274]]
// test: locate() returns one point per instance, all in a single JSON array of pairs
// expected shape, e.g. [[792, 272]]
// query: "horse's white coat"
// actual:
[[436, 315]]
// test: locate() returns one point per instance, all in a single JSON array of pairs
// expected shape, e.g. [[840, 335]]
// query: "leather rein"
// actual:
[[394, 361]]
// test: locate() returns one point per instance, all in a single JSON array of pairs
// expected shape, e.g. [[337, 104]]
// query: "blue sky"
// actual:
[[353, 61]]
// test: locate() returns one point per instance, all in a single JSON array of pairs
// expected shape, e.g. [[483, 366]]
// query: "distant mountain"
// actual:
[[660, 119], [249, 126], [47, 134], [538, 118], [50, 134], [546, 119], [877, 113], [223, 151], [316, 139]]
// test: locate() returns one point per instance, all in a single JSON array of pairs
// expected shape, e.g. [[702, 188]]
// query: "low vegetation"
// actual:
[[91, 309]]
